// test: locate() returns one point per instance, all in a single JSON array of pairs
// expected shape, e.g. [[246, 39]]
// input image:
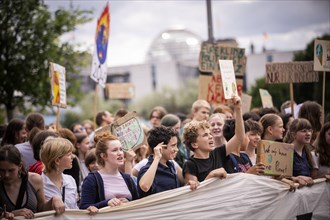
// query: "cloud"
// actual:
[[134, 24]]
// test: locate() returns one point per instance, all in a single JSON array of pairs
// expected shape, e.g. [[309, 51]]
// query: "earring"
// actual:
[[19, 174]]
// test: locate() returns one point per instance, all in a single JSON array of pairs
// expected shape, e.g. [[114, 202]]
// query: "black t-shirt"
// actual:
[[202, 167], [242, 164]]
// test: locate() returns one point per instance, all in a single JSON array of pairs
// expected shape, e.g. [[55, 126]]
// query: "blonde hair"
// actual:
[[190, 132], [52, 150], [200, 103]]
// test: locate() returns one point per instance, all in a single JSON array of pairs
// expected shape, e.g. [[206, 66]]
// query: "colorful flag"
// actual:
[[99, 67]]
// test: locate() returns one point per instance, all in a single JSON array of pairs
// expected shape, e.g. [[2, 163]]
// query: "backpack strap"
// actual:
[[21, 193]]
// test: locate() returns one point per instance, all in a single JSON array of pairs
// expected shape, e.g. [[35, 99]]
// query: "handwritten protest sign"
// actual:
[[120, 90], [210, 55], [129, 131], [211, 89], [228, 78], [266, 98], [277, 157], [57, 84], [246, 102], [322, 55], [291, 72]]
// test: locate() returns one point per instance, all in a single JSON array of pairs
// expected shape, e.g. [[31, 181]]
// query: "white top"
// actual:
[[27, 154], [115, 186], [322, 170], [69, 187], [84, 170]]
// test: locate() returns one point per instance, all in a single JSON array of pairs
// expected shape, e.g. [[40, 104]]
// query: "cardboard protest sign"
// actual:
[[228, 78], [210, 54], [291, 72], [99, 67], [246, 102], [322, 55], [266, 98], [129, 131], [277, 157], [57, 84], [120, 90], [210, 89]]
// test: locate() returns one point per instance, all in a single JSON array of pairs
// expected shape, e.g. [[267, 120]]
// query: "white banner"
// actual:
[[239, 196]]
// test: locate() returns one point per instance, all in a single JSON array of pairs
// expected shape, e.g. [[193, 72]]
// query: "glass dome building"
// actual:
[[174, 45]]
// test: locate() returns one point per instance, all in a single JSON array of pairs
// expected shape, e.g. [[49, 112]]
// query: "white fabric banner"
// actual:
[[239, 196]]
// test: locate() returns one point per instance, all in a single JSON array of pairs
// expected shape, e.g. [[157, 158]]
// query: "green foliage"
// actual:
[[279, 92], [29, 40], [179, 100], [312, 91], [70, 117]]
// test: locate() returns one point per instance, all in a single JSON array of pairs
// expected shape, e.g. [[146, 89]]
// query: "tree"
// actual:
[[280, 93], [312, 91], [29, 40]]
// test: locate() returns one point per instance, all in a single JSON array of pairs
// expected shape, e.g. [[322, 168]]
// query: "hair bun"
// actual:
[[102, 135]]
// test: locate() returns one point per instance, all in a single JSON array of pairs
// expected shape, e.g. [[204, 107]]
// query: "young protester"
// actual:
[[174, 122], [312, 111], [156, 114], [90, 161], [89, 126], [159, 174], [15, 132], [82, 148], [21, 192], [37, 143], [208, 160], [217, 121], [299, 134], [200, 110], [273, 128], [56, 155], [321, 155], [107, 186], [254, 136], [31, 121], [238, 161]]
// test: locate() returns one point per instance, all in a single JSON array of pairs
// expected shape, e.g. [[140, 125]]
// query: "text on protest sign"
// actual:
[[210, 88], [129, 131], [322, 55], [291, 72], [210, 55], [58, 85], [228, 78], [277, 157]]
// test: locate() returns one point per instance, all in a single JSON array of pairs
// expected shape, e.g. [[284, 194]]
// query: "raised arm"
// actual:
[[238, 138], [148, 177]]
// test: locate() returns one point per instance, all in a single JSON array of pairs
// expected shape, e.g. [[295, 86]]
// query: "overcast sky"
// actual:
[[134, 24]]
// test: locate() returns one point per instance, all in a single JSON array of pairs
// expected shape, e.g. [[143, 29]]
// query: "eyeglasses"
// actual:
[[306, 130], [77, 130]]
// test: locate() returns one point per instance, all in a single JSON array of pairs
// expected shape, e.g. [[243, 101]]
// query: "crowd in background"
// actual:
[[47, 168]]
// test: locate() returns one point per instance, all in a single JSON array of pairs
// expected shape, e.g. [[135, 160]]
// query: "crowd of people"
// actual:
[[83, 167]]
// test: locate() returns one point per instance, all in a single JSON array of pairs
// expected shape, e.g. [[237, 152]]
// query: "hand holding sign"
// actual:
[[228, 78]]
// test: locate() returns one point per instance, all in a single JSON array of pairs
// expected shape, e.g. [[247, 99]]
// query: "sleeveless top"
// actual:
[[31, 201]]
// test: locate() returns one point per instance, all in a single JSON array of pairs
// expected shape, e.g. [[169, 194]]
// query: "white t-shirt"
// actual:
[[69, 187], [322, 170]]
